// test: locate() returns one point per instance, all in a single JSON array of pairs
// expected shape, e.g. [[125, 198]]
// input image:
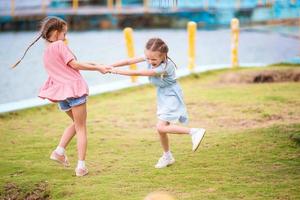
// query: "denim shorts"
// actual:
[[67, 104]]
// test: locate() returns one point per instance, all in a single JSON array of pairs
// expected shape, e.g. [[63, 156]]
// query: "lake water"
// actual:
[[213, 48]]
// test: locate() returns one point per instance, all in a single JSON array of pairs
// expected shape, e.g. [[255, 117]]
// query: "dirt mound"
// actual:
[[13, 192], [265, 76]]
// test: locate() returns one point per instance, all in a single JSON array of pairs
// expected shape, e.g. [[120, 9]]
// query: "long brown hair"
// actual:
[[157, 44], [48, 25]]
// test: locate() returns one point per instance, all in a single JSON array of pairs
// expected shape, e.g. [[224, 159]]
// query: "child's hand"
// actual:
[[112, 70], [108, 68], [104, 68]]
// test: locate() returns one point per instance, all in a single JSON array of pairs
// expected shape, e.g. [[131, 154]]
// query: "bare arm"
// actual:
[[141, 72], [128, 62], [88, 66]]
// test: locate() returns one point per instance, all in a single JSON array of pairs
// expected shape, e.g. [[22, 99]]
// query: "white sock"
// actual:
[[60, 150], [81, 164], [192, 131], [168, 154]]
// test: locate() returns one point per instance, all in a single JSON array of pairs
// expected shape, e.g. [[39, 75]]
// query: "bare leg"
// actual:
[[163, 128], [68, 133], [164, 140], [166, 127], [80, 115]]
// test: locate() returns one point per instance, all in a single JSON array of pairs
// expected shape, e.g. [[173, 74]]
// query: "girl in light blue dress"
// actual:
[[170, 105]]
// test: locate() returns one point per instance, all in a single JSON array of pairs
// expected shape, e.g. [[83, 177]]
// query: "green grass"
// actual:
[[251, 149]]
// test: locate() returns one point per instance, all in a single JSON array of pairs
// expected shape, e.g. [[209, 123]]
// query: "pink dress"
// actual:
[[63, 81]]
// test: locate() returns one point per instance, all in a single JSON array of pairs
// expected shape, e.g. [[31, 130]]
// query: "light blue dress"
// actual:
[[170, 104]]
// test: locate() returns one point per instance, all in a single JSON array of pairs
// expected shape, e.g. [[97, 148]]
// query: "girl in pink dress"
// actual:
[[65, 86]]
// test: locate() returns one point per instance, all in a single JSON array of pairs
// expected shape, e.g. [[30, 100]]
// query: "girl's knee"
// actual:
[[80, 123], [161, 128], [80, 128]]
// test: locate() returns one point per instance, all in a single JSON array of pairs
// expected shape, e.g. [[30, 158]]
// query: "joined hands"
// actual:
[[103, 68]]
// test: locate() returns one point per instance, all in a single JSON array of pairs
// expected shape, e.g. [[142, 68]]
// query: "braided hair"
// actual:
[[48, 26], [157, 44]]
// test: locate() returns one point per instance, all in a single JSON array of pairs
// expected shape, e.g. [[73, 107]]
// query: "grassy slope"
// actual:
[[247, 152]]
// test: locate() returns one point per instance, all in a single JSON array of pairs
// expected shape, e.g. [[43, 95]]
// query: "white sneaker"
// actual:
[[81, 171], [62, 159], [164, 161], [197, 138]]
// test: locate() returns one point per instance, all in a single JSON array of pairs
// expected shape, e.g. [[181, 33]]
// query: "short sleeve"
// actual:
[[170, 69], [160, 69], [164, 69], [65, 53]]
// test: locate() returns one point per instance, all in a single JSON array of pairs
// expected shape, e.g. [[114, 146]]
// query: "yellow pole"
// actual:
[[130, 49], [234, 42], [192, 29], [119, 4], [66, 41], [269, 3], [75, 4], [238, 4], [146, 4], [260, 3], [44, 6], [206, 4], [110, 4], [12, 7], [175, 4]]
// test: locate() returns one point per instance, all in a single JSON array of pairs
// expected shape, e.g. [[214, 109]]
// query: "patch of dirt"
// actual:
[[211, 119], [13, 192], [211, 190], [265, 76], [295, 137], [261, 122]]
